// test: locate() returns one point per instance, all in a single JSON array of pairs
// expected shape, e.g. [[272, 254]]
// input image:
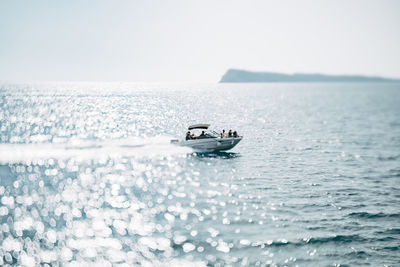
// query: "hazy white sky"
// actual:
[[184, 40]]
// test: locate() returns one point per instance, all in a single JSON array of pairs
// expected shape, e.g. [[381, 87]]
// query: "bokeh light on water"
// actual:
[[88, 176]]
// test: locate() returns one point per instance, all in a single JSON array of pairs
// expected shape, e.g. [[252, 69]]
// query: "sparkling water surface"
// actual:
[[89, 177]]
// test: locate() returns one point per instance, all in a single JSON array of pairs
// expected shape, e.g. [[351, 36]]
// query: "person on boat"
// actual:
[[202, 135], [230, 133], [235, 134], [223, 134], [188, 136]]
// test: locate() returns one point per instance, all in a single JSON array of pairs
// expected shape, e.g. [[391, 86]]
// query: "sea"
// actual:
[[88, 176]]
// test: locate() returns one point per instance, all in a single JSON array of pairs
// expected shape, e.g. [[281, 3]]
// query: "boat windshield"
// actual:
[[213, 133]]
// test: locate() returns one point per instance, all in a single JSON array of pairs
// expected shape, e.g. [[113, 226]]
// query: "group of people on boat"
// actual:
[[229, 134], [190, 136]]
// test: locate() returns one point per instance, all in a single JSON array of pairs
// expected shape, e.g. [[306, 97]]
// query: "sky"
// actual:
[[187, 40]]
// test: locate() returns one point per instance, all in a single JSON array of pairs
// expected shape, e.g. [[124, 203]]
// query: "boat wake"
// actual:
[[87, 149]]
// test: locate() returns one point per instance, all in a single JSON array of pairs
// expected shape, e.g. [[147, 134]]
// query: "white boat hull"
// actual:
[[211, 144]]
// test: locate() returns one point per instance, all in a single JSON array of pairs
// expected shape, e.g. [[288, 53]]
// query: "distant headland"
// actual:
[[244, 76]]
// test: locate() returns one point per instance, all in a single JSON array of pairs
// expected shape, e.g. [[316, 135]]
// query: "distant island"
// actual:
[[244, 76]]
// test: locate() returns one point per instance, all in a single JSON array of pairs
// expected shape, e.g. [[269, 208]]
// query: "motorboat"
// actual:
[[208, 140]]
